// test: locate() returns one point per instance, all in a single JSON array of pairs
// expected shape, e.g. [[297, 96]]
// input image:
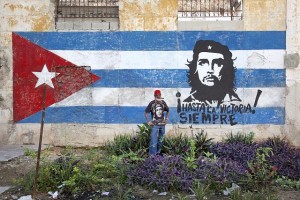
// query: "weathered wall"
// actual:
[[265, 15], [135, 15], [257, 15], [292, 126]]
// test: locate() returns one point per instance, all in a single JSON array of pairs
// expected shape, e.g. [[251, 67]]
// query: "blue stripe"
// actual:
[[176, 78], [155, 40], [134, 115]]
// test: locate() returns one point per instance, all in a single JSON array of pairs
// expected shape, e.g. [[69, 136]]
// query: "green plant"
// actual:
[[180, 197], [202, 143], [123, 193], [30, 152], [260, 174], [176, 145], [75, 173], [240, 137], [101, 171], [200, 190], [94, 155], [123, 162], [130, 142], [267, 195], [26, 182], [210, 155], [236, 194], [286, 182], [132, 157], [51, 174], [119, 145], [190, 158]]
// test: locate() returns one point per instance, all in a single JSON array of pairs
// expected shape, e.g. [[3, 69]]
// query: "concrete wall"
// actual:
[[137, 15], [292, 129]]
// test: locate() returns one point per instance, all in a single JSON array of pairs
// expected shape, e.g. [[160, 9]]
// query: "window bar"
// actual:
[[200, 9], [231, 10]]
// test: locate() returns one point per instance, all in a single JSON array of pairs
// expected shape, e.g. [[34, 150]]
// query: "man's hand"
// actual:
[[150, 123], [165, 121]]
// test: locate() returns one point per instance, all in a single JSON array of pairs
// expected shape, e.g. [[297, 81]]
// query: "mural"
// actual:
[[212, 77], [213, 94]]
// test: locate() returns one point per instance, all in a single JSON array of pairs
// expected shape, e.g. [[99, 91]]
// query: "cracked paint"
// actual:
[[41, 23], [12, 21]]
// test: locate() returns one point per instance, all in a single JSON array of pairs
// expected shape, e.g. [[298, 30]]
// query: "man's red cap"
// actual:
[[157, 92]]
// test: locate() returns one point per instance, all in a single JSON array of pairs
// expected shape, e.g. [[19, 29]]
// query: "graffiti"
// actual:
[[242, 61], [213, 98], [212, 74]]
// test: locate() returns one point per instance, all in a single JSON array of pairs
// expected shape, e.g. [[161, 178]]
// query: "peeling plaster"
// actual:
[[14, 7], [259, 15], [12, 21], [41, 23], [149, 15]]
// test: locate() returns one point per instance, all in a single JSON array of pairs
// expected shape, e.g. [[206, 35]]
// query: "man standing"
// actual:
[[158, 120]]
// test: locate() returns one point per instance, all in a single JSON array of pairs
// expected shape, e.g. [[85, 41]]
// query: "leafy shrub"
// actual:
[[190, 158], [119, 145], [220, 171], [200, 190], [141, 140], [238, 151], [285, 157], [30, 152], [51, 174], [162, 173], [260, 174], [288, 183], [278, 145], [202, 143], [128, 142], [264, 195], [71, 172], [176, 145], [239, 138], [288, 163]]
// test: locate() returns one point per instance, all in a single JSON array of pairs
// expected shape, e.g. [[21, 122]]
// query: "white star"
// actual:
[[44, 77], [209, 47]]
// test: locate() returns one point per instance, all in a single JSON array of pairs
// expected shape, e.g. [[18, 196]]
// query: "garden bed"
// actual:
[[187, 168]]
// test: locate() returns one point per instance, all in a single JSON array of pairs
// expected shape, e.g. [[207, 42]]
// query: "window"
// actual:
[[87, 15], [214, 10]]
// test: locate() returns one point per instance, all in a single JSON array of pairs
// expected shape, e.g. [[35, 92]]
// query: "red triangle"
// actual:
[[29, 57]]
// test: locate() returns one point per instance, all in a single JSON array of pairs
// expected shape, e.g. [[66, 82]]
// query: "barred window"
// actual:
[[87, 14], [210, 9]]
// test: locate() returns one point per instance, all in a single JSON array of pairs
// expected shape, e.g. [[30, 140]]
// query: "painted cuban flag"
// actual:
[[109, 77]]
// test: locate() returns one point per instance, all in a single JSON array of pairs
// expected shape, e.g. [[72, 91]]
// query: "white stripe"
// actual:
[[270, 97], [252, 59]]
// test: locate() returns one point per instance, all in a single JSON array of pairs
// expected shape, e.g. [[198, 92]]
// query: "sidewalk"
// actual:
[[9, 152]]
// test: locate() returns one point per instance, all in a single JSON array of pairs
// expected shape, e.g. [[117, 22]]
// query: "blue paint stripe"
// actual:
[[155, 40], [176, 78], [134, 115]]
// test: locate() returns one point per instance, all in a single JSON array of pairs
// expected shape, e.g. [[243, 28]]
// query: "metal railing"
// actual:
[[87, 8], [207, 9]]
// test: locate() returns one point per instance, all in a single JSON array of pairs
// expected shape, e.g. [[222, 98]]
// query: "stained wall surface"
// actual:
[[150, 51]]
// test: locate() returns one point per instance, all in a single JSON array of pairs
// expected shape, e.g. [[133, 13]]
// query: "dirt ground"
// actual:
[[18, 167]]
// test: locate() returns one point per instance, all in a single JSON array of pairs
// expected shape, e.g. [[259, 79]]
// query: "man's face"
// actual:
[[158, 110], [209, 66], [158, 97]]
